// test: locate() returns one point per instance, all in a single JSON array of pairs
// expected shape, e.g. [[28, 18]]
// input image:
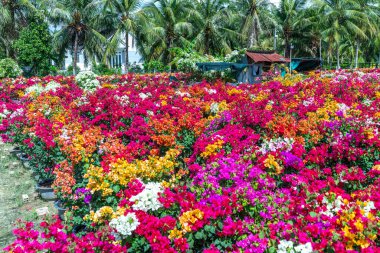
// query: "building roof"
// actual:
[[267, 57]]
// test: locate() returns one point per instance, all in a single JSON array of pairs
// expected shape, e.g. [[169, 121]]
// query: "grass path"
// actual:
[[16, 180]]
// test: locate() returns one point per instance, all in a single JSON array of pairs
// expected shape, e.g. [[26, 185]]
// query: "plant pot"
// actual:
[[48, 196], [23, 157], [44, 186], [45, 190], [61, 210], [78, 229], [16, 150]]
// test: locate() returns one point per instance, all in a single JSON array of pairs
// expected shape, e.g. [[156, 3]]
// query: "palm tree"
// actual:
[[377, 46], [211, 19], [291, 19], [256, 15], [79, 30], [13, 17], [126, 18], [169, 28], [367, 24], [341, 18]]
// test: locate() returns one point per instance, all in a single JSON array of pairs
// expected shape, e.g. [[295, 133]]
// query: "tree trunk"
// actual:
[[250, 39], [256, 42], [320, 53], [75, 58], [12, 30], [207, 42], [169, 43], [287, 46], [356, 54], [126, 52], [337, 59]]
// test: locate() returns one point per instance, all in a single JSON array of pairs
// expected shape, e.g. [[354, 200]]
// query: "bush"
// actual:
[[134, 68], [9, 68], [70, 70], [155, 66], [103, 70], [34, 47], [87, 80]]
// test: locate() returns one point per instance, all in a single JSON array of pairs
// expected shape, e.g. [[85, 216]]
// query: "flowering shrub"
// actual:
[[9, 68], [146, 164], [125, 225], [87, 80], [37, 89]]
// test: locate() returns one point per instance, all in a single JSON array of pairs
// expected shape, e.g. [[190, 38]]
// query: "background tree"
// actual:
[[34, 47], [370, 17], [341, 19], [169, 28], [78, 29], [256, 19], [13, 17], [211, 19], [126, 18], [290, 17]]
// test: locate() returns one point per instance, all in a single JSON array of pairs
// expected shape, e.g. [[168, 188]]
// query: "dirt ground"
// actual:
[[15, 181]]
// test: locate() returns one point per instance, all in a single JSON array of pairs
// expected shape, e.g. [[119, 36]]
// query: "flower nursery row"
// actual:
[[146, 164]]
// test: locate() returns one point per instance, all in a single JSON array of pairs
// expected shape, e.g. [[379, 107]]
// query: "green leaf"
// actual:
[[200, 235], [313, 214], [116, 188], [109, 199]]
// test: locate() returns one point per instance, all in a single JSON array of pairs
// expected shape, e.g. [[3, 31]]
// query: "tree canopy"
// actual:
[[335, 30]]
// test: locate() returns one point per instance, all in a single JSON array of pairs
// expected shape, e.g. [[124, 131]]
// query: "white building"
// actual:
[[115, 61]]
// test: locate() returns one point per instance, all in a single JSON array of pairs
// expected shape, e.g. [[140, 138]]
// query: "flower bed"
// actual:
[[148, 165]]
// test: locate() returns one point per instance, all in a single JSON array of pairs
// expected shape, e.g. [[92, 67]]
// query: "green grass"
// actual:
[[16, 180]]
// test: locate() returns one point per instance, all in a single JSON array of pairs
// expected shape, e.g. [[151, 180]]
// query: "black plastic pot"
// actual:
[[48, 196], [16, 150], [61, 210], [45, 190], [23, 157], [79, 228]]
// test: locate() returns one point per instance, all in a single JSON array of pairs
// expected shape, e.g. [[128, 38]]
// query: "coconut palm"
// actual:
[[367, 24], [126, 18], [169, 28], [377, 46], [291, 19], [212, 20], [78, 29], [256, 15], [341, 18]]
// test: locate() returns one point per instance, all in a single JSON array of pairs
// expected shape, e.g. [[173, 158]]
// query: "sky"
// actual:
[[275, 2]]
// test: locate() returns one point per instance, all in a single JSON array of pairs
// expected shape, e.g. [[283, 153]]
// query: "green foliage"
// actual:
[[185, 61], [134, 68], [82, 28], [70, 70], [155, 66], [9, 68], [34, 47], [102, 69]]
